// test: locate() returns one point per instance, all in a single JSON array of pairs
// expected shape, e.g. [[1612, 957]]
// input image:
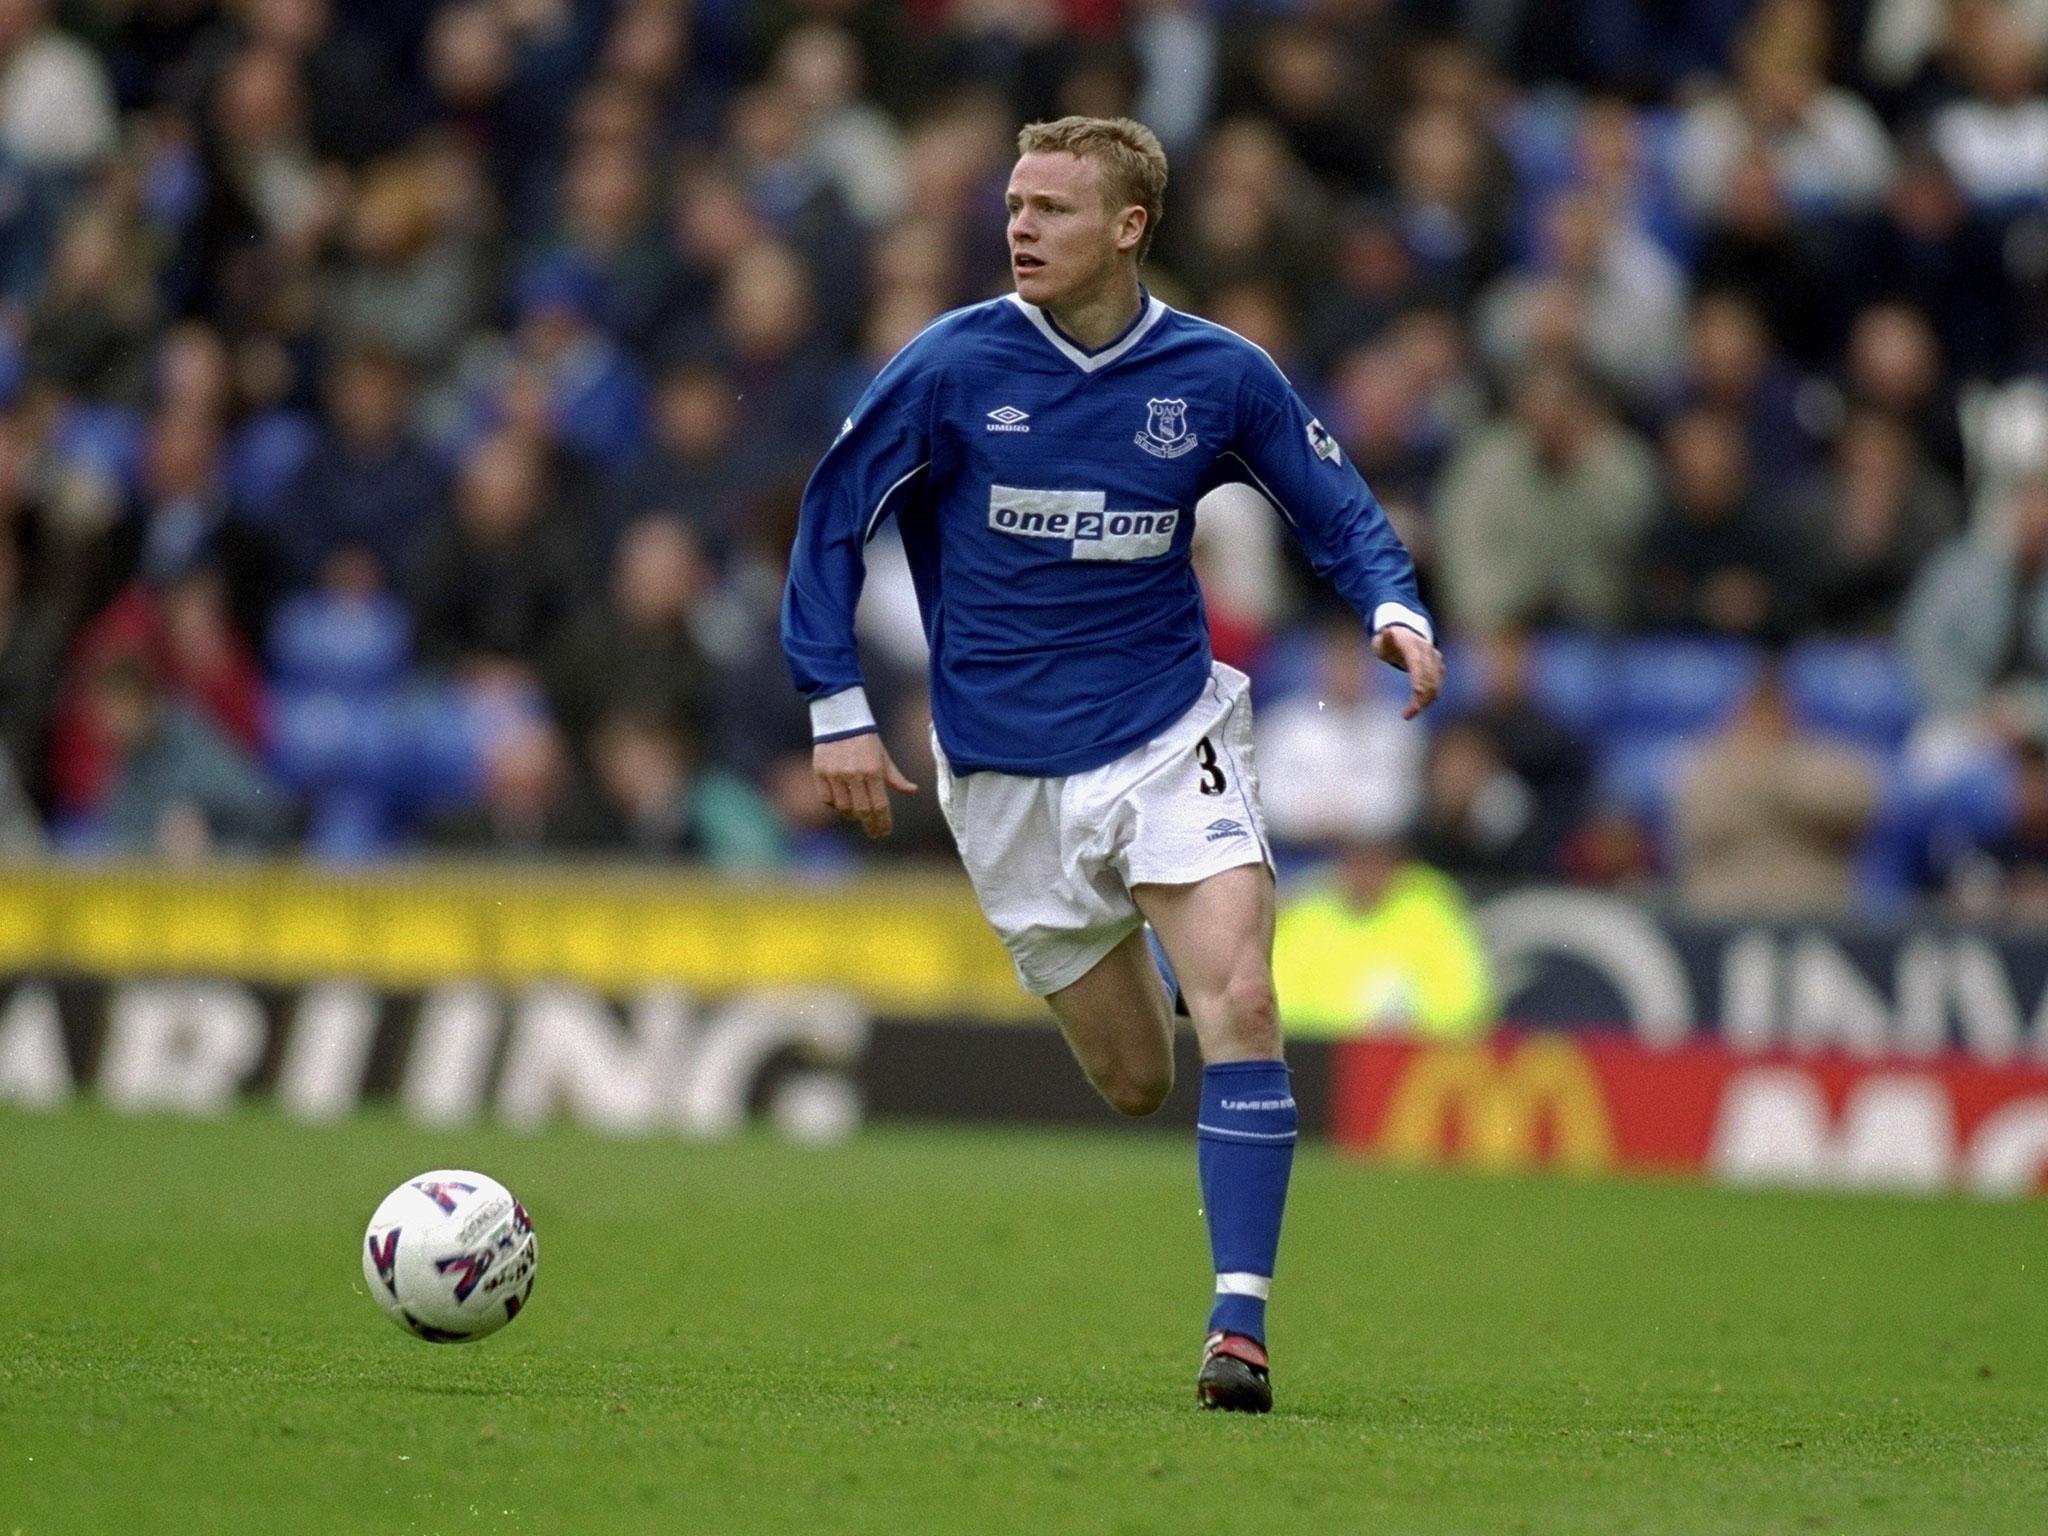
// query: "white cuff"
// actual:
[[1400, 613], [841, 714]]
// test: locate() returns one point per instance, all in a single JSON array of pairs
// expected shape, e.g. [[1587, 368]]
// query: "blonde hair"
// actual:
[[1132, 161]]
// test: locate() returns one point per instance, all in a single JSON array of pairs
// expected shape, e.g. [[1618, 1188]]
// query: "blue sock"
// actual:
[[1244, 1144]]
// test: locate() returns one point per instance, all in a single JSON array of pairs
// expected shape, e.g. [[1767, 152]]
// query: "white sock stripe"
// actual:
[[1244, 1283], [1221, 1130]]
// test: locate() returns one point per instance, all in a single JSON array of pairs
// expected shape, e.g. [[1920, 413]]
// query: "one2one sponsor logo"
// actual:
[[1097, 531]]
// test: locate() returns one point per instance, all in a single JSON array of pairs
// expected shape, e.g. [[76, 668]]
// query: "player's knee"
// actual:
[[1137, 1090], [1252, 1014]]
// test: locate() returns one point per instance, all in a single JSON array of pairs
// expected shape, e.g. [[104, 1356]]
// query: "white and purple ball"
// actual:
[[450, 1256]]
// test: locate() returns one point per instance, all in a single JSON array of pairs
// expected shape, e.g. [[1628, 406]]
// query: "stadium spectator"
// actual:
[[1504, 785], [800, 207], [258, 116], [1769, 816], [182, 514], [640, 649], [1994, 136], [2002, 875], [594, 397], [1382, 945], [1826, 148], [1335, 760], [180, 622], [1718, 557], [368, 486], [1395, 439], [1733, 366], [21, 828], [695, 467], [1608, 147], [1788, 267], [89, 332], [31, 653], [1329, 92], [605, 225], [848, 141], [656, 799], [1237, 560], [1452, 199], [1953, 263], [56, 105], [526, 805], [1252, 214], [765, 319], [180, 787], [495, 580], [1372, 281], [1869, 520], [409, 278], [1974, 629], [1539, 515], [1894, 366], [1601, 293], [340, 72]]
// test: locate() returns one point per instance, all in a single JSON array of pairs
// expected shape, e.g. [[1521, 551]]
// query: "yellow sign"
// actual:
[[1500, 1103], [912, 945]]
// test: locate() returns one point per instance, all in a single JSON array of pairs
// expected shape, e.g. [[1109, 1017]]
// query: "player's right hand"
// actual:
[[855, 776]]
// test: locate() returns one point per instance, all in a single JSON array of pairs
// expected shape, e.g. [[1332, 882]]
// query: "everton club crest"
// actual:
[[1166, 434]]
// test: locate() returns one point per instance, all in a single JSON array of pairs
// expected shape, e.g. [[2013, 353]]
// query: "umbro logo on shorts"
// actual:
[[1222, 828]]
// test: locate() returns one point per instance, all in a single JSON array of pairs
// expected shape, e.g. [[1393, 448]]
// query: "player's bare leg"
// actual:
[[1218, 933], [1118, 1023], [1218, 936]]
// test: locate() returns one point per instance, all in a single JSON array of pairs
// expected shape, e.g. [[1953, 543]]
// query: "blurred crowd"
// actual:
[[404, 406]]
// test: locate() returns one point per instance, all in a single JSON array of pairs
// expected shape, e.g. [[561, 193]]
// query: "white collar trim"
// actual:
[[1089, 362]]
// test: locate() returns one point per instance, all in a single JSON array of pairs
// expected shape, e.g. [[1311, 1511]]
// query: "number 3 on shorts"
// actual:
[[1213, 782]]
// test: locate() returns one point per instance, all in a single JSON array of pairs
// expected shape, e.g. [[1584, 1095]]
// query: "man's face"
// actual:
[[1064, 237]]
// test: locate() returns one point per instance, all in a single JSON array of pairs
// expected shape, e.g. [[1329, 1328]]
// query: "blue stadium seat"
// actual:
[[1676, 683], [1571, 678], [1855, 689], [1638, 771], [355, 645], [1927, 824], [101, 440], [437, 754], [1464, 679], [1287, 665], [349, 826], [325, 739], [263, 456]]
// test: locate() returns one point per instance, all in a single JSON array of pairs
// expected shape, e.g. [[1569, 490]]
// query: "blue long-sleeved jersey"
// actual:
[[1045, 494]]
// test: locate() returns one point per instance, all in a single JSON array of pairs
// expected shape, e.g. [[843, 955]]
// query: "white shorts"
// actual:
[[1053, 860]]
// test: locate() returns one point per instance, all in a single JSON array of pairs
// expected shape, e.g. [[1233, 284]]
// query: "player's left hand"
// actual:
[[1399, 646], [855, 775]]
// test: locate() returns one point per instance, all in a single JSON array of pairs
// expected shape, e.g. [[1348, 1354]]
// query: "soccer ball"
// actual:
[[450, 1255]]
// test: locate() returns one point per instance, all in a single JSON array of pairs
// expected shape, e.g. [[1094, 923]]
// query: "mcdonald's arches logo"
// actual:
[[1516, 1103]]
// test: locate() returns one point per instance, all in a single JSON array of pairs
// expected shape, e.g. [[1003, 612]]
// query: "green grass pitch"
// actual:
[[949, 1331]]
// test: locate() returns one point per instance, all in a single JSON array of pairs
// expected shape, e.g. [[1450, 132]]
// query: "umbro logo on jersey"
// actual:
[[1007, 418], [1225, 827]]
